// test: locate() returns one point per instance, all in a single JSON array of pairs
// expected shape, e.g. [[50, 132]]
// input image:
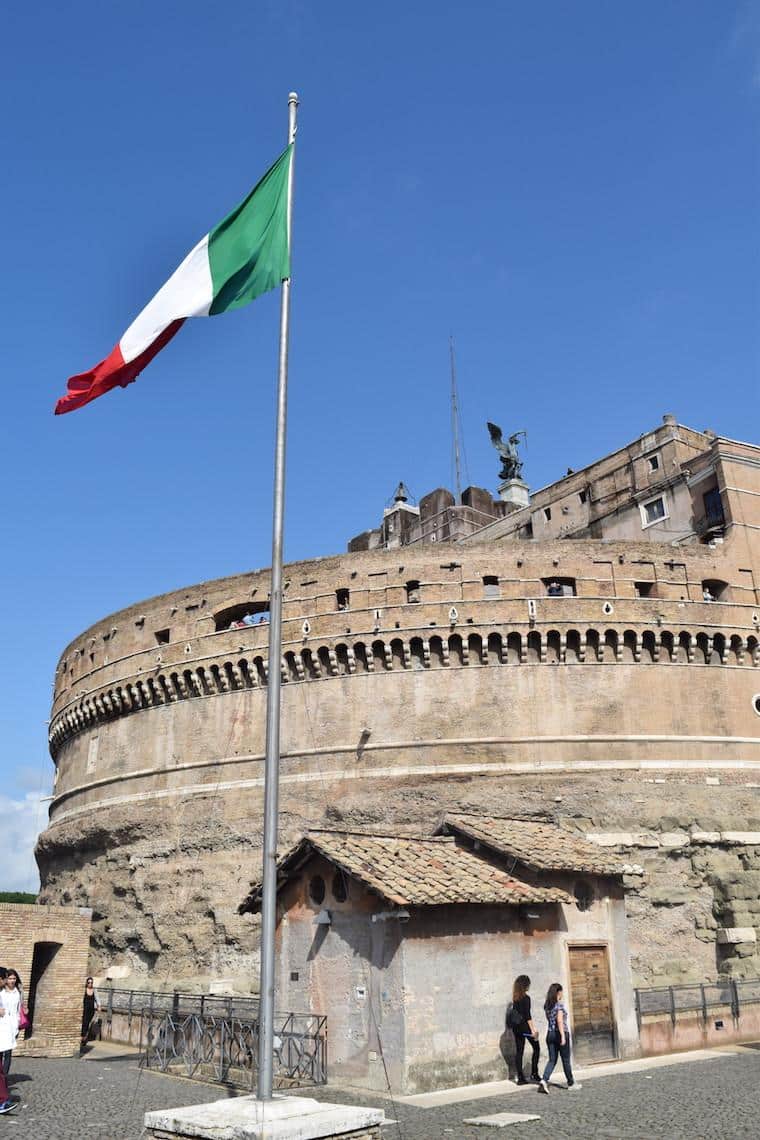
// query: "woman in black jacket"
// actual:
[[524, 1029]]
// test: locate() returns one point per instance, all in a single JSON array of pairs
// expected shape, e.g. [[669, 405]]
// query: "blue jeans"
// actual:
[[558, 1051]]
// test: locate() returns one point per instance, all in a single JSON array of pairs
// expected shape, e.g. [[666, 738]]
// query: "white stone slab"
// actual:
[[501, 1119], [752, 838], [731, 935], [247, 1118]]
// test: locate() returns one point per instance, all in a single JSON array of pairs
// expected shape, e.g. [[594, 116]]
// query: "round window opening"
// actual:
[[340, 887], [584, 895], [756, 703], [317, 889]]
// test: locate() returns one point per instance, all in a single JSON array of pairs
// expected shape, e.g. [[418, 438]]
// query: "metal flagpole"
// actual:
[[272, 761]]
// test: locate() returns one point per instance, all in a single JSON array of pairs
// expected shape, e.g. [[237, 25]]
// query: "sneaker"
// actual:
[[574, 1087], [521, 1081], [8, 1105], [543, 1087]]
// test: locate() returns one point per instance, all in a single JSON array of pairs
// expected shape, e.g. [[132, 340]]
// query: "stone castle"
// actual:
[[588, 653]]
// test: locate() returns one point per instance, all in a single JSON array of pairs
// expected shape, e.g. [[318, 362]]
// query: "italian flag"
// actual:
[[246, 255]]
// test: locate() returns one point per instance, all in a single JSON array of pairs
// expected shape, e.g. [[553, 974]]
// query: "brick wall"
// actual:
[[48, 946]]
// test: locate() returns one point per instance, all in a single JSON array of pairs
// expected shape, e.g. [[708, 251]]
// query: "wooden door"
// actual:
[[591, 1017]]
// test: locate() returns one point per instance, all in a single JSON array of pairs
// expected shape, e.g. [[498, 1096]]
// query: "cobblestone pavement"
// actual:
[[104, 1096]]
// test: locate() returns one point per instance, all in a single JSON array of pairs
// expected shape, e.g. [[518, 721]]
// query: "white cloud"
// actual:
[[20, 823]]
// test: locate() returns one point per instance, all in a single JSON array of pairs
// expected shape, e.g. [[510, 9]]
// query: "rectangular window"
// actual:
[[583, 495], [342, 598], [491, 587], [653, 511], [162, 637], [413, 592], [548, 514], [644, 589], [654, 463]]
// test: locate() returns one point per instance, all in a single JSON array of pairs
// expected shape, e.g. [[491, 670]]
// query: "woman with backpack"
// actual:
[[557, 1038], [521, 1023]]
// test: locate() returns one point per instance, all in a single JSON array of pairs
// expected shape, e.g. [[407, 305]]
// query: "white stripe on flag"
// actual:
[[187, 293]]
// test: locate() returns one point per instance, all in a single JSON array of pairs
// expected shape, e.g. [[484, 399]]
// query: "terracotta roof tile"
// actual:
[[543, 846], [409, 871]]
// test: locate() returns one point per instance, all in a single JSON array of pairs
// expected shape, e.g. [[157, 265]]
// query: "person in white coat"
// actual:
[[10, 1009]]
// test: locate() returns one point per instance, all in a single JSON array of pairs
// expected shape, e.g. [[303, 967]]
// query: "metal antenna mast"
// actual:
[[455, 426]]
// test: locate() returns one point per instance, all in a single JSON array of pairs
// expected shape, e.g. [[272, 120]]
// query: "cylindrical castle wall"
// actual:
[[414, 680]]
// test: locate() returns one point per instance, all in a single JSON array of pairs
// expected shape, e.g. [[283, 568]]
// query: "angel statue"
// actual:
[[511, 463]]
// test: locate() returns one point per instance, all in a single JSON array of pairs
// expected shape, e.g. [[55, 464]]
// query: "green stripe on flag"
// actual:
[[248, 252]]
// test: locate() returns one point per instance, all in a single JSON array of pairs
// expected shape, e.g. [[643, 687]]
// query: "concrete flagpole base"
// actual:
[[248, 1118]]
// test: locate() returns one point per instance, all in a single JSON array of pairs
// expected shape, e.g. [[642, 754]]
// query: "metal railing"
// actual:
[[133, 1003], [213, 1047], [700, 997]]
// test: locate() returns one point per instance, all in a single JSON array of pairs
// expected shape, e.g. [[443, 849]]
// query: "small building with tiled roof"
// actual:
[[410, 944]]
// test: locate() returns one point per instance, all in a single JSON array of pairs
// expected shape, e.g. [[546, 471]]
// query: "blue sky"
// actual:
[[569, 189]]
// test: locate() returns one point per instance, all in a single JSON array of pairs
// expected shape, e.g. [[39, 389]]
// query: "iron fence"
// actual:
[[215, 1047], [700, 997], [135, 1002]]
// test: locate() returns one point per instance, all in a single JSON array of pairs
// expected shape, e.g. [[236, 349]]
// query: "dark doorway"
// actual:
[[39, 983]]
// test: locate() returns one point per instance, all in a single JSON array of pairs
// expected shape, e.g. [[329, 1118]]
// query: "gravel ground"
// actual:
[[103, 1097]]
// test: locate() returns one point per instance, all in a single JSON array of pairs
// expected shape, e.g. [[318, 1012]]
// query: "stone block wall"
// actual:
[[48, 946]]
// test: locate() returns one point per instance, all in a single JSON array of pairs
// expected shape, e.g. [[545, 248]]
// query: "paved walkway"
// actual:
[[705, 1096]]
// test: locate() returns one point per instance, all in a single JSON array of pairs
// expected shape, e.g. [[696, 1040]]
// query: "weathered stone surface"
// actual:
[[669, 896]]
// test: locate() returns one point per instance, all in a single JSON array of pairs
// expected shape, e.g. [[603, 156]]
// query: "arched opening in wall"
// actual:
[[718, 649], [494, 649], [534, 647], [629, 646], [164, 686], [241, 615], [417, 653], [752, 644], [553, 647], [610, 645], [592, 646], [323, 654], [683, 648], [456, 657], [702, 653], [190, 684], [245, 672], [42, 1001], [341, 654], [378, 655], [309, 667], [514, 648], [397, 653], [666, 647], [573, 647], [736, 650], [360, 657], [715, 590], [176, 686], [261, 672], [475, 649], [648, 646], [290, 665], [437, 657]]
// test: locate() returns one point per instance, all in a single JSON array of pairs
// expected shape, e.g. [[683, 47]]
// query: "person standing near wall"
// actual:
[[90, 1006], [523, 1027], [10, 1011], [6, 1104], [557, 1038]]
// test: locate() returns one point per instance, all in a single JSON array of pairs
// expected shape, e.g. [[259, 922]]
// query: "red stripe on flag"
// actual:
[[112, 372]]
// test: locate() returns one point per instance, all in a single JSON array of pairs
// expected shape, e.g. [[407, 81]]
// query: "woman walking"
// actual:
[[524, 1028], [90, 1006], [557, 1038], [10, 1011]]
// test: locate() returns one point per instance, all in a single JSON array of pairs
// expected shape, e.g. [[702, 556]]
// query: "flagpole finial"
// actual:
[[293, 97]]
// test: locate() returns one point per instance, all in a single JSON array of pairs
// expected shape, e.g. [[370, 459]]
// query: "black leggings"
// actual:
[[5, 1061], [520, 1040]]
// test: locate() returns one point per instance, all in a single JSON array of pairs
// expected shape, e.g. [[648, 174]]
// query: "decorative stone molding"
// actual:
[[338, 658]]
